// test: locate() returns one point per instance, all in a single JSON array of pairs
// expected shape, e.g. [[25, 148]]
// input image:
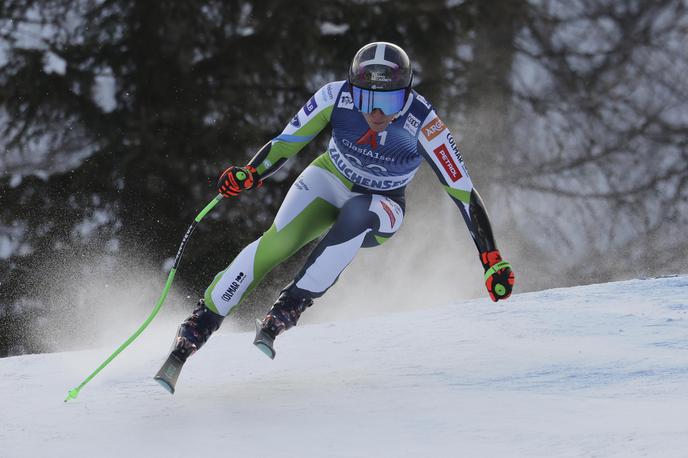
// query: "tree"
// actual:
[[118, 116], [599, 123]]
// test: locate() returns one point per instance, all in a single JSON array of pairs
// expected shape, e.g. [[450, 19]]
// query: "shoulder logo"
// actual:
[[330, 95], [422, 100], [447, 162], [433, 128], [454, 148], [310, 106], [412, 124], [346, 101]]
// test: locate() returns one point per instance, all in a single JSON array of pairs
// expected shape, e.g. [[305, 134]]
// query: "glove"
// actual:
[[499, 279], [237, 179]]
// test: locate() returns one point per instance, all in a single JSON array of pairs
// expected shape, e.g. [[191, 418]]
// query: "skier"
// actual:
[[354, 192]]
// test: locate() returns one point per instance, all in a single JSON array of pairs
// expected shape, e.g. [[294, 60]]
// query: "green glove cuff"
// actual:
[[499, 266]]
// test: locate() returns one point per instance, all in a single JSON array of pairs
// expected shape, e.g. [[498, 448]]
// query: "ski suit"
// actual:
[[353, 192]]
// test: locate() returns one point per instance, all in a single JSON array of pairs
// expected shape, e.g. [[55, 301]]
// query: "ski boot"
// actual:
[[191, 336], [195, 331], [281, 316]]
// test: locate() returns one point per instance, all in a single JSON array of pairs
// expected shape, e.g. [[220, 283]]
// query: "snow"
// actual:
[[596, 370], [330, 28], [105, 90], [52, 63]]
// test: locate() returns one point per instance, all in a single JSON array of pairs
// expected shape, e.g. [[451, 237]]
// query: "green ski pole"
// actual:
[[73, 393]]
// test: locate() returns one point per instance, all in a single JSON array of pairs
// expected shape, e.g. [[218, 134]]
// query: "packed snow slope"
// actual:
[[591, 371]]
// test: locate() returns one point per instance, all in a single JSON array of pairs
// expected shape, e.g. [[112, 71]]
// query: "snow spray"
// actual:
[[74, 392]]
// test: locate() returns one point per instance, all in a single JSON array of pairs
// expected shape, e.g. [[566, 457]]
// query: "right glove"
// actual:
[[237, 179]]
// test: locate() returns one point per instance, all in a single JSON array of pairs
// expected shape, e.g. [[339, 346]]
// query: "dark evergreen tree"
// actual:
[[117, 117]]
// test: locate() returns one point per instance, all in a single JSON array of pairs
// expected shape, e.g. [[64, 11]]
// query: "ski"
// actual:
[[169, 372], [264, 342]]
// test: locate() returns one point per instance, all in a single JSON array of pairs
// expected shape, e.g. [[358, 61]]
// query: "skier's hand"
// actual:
[[237, 179], [499, 279]]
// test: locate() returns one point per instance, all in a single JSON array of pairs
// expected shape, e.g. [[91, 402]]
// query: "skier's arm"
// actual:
[[303, 127], [439, 148]]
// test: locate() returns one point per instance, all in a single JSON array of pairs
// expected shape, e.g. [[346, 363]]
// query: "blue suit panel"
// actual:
[[376, 160]]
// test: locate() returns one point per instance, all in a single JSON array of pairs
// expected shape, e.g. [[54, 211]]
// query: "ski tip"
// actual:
[[269, 352], [264, 342], [163, 383]]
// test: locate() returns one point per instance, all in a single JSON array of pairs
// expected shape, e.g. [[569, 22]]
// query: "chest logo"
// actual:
[[346, 101], [369, 138], [412, 124]]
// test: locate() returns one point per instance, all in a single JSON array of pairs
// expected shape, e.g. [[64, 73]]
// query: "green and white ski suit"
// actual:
[[353, 193]]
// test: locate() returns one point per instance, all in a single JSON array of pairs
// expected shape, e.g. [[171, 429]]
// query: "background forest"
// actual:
[[116, 118]]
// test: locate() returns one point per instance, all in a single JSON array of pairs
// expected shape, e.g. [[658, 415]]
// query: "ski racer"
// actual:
[[353, 193]]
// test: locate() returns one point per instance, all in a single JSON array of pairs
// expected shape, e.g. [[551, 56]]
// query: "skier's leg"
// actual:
[[308, 210], [364, 221]]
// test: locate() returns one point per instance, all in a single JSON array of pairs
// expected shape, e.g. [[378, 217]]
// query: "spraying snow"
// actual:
[[595, 370]]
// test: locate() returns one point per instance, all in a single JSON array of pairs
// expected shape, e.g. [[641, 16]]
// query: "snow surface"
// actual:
[[591, 371]]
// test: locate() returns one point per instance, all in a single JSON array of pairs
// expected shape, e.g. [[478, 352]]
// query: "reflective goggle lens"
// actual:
[[390, 102]]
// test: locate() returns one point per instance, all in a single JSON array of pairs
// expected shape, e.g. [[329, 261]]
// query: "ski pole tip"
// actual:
[[73, 393]]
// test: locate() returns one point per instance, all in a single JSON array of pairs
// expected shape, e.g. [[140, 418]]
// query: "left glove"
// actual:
[[237, 179], [499, 279]]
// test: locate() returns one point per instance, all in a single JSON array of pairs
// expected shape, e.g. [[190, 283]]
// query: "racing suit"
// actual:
[[353, 192]]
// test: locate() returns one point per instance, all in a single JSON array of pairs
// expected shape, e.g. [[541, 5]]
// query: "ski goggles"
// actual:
[[390, 102]]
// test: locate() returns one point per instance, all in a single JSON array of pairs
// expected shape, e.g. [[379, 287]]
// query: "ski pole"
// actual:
[[73, 393]]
